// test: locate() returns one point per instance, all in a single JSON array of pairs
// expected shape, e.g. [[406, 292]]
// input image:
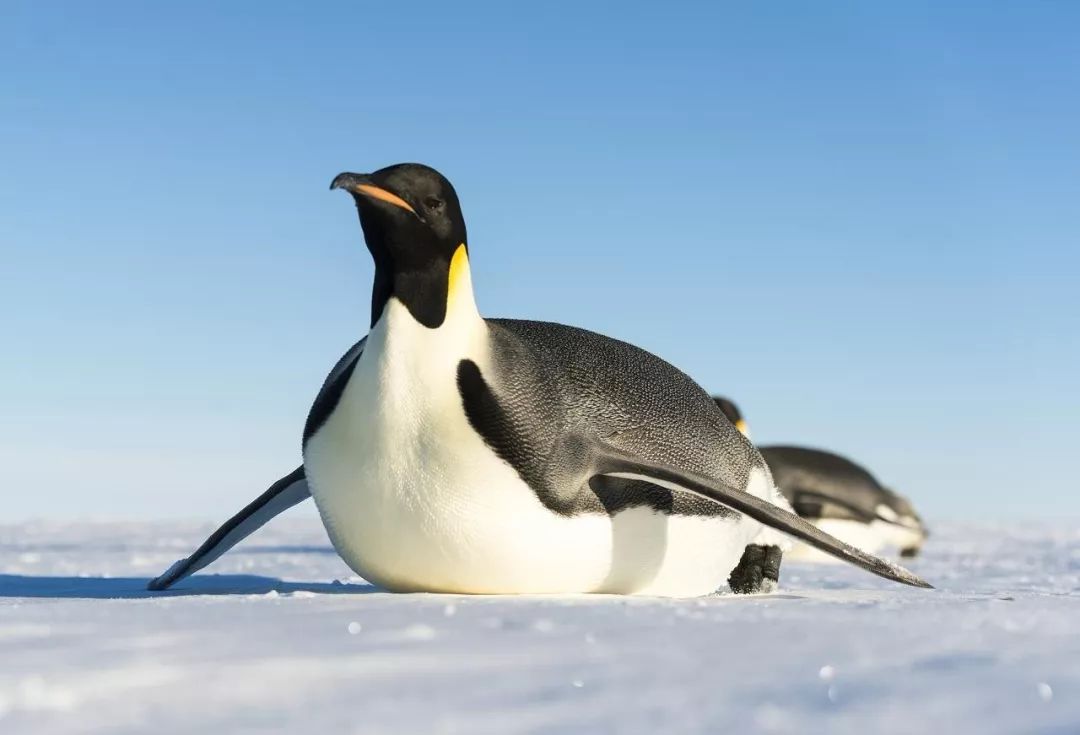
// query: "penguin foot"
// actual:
[[910, 553], [758, 570]]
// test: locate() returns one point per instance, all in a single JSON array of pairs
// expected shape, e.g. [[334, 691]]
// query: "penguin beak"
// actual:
[[361, 184]]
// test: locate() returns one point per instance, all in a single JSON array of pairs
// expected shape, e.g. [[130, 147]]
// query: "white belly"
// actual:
[[414, 500]]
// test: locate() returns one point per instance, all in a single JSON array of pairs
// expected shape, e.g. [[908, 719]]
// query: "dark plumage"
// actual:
[[821, 484], [589, 424]]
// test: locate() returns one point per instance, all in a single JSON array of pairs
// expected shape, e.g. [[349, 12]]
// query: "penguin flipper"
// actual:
[[617, 463], [282, 495]]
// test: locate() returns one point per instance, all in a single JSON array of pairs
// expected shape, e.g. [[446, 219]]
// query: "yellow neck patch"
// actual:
[[459, 273]]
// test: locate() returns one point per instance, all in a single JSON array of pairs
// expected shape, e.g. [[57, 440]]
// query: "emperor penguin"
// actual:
[[838, 496], [451, 453]]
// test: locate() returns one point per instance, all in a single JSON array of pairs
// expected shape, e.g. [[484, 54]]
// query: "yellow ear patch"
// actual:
[[376, 192], [459, 271], [741, 426]]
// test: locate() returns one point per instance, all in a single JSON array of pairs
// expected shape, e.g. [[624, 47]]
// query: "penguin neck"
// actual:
[[437, 296]]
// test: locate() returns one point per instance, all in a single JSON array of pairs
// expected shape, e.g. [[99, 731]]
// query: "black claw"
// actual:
[[773, 557], [758, 564]]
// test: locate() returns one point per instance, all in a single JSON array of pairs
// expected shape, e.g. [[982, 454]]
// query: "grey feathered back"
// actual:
[[553, 377]]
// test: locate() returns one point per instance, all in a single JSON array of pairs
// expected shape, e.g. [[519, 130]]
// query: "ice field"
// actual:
[[278, 636]]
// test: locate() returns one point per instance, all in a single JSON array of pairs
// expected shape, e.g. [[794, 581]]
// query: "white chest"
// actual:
[[411, 496]]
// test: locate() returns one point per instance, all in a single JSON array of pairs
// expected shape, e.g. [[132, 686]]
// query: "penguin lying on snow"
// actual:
[[451, 453], [839, 497]]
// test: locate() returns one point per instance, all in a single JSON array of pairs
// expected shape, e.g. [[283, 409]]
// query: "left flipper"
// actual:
[[282, 495]]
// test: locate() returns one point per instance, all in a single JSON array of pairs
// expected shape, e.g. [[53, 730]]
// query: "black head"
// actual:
[[729, 409], [413, 227]]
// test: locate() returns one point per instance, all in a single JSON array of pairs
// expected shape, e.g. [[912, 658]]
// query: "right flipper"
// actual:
[[618, 463], [282, 495]]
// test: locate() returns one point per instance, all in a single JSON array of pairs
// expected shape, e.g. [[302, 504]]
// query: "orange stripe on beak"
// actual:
[[376, 193]]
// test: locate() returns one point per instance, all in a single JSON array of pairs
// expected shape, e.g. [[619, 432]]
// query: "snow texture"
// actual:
[[84, 648]]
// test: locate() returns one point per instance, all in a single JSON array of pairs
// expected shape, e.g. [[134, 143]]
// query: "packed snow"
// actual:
[[279, 636]]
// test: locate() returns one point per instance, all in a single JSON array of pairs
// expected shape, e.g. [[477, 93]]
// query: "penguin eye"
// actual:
[[433, 204]]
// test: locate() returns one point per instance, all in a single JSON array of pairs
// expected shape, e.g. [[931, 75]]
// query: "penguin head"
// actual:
[[413, 226], [729, 409]]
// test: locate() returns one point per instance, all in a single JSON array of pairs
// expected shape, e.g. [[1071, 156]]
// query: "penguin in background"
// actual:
[[447, 452], [838, 496]]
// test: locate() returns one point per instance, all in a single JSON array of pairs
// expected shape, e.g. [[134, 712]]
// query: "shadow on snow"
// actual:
[[134, 588]]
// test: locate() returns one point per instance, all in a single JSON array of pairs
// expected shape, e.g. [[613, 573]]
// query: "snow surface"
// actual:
[[84, 648]]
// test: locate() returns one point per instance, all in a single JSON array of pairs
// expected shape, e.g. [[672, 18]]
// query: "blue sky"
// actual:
[[859, 220]]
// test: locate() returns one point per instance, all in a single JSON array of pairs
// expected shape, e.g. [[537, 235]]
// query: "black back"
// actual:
[[820, 484], [554, 381]]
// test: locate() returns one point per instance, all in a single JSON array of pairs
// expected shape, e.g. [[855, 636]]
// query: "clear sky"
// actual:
[[860, 220]]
